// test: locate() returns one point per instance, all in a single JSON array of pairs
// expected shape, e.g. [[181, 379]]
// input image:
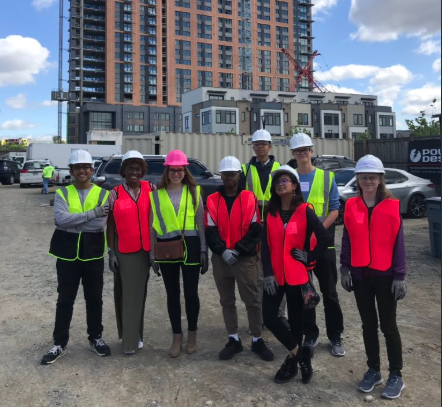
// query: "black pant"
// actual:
[[69, 275], [270, 307], [327, 275], [368, 292], [171, 278]]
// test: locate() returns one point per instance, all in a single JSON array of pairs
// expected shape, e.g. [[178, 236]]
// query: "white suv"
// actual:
[[32, 172]]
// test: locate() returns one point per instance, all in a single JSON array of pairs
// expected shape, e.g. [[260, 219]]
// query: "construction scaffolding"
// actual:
[[246, 41]]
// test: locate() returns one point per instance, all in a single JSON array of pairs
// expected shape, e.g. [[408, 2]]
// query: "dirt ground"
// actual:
[[151, 377]]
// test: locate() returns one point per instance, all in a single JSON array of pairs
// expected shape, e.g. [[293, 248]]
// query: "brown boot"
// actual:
[[175, 349], [191, 342]]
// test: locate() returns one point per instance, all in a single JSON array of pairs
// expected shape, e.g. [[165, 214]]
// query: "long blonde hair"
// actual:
[[381, 193], [187, 180]]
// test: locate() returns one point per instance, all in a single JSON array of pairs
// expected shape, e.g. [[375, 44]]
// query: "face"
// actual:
[[262, 148], [303, 154], [230, 178], [369, 182], [285, 186], [176, 174], [82, 172], [133, 172]]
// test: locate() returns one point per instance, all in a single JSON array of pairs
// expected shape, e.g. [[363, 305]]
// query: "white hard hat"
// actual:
[[80, 157], [229, 163], [285, 169], [300, 140], [132, 154], [369, 164], [261, 135]]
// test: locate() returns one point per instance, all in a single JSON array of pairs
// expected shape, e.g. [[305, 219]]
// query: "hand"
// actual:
[[155, 267], [204, 262], [113, 262], [230, 257], [346, 279], [270, 285], [101, 211], [399, 289], [299, 255]]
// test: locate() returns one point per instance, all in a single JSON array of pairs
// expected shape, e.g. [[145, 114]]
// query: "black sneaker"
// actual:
[[56, 352], [99, 347], [312, 343], [305, 363], [232, 347], [394, 386], [287, 371], [262, 350]]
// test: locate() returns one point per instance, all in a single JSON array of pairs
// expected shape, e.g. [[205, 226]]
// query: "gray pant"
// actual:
[[245, 273]]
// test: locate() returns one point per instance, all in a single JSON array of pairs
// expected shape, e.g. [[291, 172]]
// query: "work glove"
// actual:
[[113, 262], [101, 211], [155, 267], [204, 262], [346, 279], [399, 289], [270, 285], [230, 256], [299, 255]]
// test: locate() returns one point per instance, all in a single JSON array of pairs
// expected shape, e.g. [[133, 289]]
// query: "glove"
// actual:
[[346, 279], [101, 211], [299, 255], [399, 289], [113, 262], [270, 285], [230, 257], [204, 262], [155, 267]]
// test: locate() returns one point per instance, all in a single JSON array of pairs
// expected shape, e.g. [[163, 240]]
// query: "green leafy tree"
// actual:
[[366, 135], [298, 129], [421, 127]]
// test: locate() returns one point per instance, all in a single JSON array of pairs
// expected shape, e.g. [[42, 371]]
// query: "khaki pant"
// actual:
[[246, 274]]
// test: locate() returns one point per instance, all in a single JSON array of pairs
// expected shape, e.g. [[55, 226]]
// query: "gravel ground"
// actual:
[[151, 377]]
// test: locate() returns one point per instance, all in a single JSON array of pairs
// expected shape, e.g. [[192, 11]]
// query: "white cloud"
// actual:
[[21, 59], [49, 103], [341, 89], [17, 124], [429, 47], [436, 65], [17, 102], [351, 71], [386, 20], [323, 6], [416, 100], [42, 4]]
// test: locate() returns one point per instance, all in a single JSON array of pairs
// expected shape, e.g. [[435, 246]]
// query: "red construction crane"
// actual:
[[305, 72]]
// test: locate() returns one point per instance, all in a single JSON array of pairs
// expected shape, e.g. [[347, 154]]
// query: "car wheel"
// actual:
[[340, 219], [10, 180], [416, 206]]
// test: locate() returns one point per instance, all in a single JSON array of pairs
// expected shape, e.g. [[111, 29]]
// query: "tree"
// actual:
[[422, 127], [366, 135], [297, 129]]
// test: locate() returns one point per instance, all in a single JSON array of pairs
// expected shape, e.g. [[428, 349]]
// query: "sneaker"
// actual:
[[311, 342], [232, 347], [337, 347], [287, 371], [99, 347], [394, 386], [56, 352], [140, 344], [305, 363], [262, 350], [371, 379]]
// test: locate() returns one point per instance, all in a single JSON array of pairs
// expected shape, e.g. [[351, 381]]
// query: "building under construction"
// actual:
[[131, 61]]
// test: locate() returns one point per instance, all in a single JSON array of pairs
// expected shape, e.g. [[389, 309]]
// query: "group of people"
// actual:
[[269, 227]]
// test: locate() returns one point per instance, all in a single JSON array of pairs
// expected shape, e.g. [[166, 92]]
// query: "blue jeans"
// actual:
[[45, 185]]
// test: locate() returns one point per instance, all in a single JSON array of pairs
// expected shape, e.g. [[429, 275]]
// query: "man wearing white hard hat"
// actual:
[[79, 245], [319, 188], [233, 232]]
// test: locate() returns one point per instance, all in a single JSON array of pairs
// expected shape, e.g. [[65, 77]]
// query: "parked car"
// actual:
[[328, 162], [32, 172], [62, 176], [409, 189], [9, 172], [107, 175]]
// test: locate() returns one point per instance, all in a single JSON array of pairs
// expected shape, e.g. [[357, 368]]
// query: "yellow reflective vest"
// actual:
[[319, 195]]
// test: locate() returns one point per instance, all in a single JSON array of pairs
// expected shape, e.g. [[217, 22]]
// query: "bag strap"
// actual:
[[185, 213]]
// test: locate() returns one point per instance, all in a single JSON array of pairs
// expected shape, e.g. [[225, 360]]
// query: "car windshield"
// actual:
[[34, 165], [342, 177]]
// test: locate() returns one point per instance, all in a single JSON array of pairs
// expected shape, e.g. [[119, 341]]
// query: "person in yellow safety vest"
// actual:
[[319, 188], [79, 245], [48, 172], [176, 209]]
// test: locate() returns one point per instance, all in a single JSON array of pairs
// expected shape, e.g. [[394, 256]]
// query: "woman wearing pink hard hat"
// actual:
[[178, 243]]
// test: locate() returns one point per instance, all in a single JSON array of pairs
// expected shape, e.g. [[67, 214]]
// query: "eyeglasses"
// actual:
[[370, 178], [179, 171], [261, 144], [229, 174], [302, 151], [81, 167], [284, 181]]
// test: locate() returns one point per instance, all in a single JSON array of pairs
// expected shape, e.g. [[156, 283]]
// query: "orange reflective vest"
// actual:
[[132, 219], [234, 226], [282, 240], [372, 240]]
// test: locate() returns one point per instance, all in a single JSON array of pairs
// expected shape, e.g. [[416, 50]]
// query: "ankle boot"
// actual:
[[191, 342], [175, 349]]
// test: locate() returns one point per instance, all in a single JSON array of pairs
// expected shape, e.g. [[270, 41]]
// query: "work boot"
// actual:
[[191, 342], [287, 371], [177, 344], [305, 363]]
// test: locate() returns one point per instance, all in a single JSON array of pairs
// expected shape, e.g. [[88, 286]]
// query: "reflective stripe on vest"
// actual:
[[372, 240], [253, 183], [132, 219], [166, 222], [282, 240], [319, 195], [234, 226]]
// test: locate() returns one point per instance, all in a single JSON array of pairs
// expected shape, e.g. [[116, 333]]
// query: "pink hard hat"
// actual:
[[176, 158]]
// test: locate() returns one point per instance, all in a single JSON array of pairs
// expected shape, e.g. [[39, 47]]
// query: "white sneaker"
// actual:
[[140, 344]]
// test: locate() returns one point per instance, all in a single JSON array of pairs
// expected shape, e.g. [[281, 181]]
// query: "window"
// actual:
[[218, 116], [206, 117], [243, 116], [255, 117], [186, 122], [385, 120], [394, 177], [286, 117], [101, 120], [370, 118], [230, 117], [303, 119], [357, 119], [331, 119]]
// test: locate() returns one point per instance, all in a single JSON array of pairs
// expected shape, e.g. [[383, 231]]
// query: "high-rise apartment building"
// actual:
[[135, 58]]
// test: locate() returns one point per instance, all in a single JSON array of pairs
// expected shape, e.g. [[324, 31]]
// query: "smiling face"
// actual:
[[284, 185], [133, 172], [262, 149], [369, 182], [81, 173], [302, 155], [175, 174], [230, 178]]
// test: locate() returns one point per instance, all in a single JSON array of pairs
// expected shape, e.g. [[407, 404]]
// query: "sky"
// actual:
[[388, 48]]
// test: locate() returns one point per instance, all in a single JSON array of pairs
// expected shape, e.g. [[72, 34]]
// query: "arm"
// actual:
[[201, 226], [315, 226], [66, 219], [333, 206], [110, 231], [265, 253], [248, 244], [346, 249], [153, 236], [398, 264], [213, 238]]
